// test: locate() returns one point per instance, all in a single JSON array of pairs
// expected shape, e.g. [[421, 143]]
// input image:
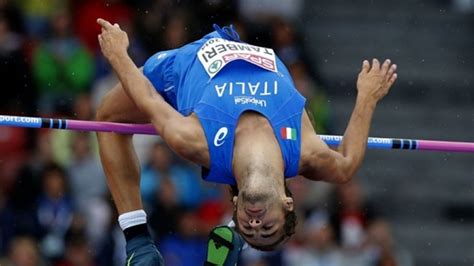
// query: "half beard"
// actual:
[[254, 198]]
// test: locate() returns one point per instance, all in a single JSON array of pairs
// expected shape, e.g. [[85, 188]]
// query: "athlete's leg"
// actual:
[[122, 169], [116, 151]]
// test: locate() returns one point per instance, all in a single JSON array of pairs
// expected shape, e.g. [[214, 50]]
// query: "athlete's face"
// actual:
[[261, 217]]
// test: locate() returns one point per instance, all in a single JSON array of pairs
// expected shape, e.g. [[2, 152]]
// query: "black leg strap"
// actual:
[[221, 241]]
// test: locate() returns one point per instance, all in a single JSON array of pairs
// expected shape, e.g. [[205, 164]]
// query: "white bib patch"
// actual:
[[217, 52]]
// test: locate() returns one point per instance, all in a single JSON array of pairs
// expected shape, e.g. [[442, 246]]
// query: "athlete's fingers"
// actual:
[[391, 70], [385, 66], [99, 38], [392, 80], [104, 23], [365, 66], [375, 64], [116, 25]]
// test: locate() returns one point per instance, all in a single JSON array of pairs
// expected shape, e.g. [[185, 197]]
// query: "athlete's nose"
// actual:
[[254, 222]]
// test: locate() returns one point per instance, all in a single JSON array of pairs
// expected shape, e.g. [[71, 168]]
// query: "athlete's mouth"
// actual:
[[255, 211]]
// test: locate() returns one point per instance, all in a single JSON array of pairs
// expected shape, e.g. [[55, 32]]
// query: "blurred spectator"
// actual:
[[78, 251], [17, 97], [63, 140], [309, 195], [88, 186], [211, 213], [13, 150], [162, 167], [23, 252], [5, 234], [320, 247], [221, 12], [27, 182], [290, 47], [87, 13], [187, 240], [386, 253], [253, 257], [150, 23], [284, 42], [62, 67], [13, 15], [87, 179], [38, 14], [166, 205], [176, 32], [55, 211], [19, 214], [110, 248], [261, 10], [351, 216], [18, 94]]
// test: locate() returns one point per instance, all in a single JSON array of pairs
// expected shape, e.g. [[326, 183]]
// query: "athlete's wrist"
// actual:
[[118, 58], [366, 101]]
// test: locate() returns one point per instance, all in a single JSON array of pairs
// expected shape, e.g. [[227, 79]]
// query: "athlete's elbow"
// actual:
[[346, 172], [344, 177], [176, 138]]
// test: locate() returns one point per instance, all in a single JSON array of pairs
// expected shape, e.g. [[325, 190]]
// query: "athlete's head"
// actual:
[[264, 218]]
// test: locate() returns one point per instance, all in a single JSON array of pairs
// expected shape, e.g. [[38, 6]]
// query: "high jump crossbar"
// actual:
[[147, 129]]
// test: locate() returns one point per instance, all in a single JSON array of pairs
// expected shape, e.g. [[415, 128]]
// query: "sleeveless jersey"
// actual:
[[218, 78]]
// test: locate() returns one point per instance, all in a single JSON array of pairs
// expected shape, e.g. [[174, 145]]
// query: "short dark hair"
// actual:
[[288, 227]]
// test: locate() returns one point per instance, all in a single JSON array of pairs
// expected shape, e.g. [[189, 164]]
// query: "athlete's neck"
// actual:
[[257, 163]]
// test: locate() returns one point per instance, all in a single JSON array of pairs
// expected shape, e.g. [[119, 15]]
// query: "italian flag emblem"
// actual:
[[288, 133]]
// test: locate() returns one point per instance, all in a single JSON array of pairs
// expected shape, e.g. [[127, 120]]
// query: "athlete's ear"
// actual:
[[234, 200], [288, 203]]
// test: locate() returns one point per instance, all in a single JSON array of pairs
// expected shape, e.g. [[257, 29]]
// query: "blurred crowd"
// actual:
[[54, 205]]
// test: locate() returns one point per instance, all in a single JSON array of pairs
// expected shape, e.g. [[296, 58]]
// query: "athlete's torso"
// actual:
[[219, 94]]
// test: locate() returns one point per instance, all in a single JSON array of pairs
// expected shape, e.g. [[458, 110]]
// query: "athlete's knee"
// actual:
[[107, 109], [103, 112]]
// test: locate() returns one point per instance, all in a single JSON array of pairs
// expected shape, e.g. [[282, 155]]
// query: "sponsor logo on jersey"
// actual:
[[249, 100], [215, 66], [217, 52], [220, 136]]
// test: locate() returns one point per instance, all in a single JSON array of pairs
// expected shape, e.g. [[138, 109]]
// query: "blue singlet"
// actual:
[[219, 100]]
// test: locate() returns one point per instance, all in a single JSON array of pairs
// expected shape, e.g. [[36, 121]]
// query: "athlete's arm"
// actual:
[[182, 134], [114, 44], [338, 166]]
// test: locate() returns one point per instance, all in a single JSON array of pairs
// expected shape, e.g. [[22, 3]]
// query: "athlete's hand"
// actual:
[[113, 41], [375, 81]]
